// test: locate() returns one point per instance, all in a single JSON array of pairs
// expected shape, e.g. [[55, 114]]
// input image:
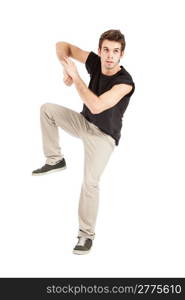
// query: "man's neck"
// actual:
[[110, 72]]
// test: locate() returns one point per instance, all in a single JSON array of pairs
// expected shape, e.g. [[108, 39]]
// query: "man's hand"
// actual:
[[70, 67], [68, 80]]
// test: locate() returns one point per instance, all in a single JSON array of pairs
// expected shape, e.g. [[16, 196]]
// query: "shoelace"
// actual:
[[81, 241]]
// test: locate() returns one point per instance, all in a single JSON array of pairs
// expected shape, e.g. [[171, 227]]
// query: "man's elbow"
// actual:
[[93, 111], [62, 47], [59, 44], [96, 110]]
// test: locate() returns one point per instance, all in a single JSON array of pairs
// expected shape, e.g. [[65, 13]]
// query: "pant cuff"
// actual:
[[86, 235]]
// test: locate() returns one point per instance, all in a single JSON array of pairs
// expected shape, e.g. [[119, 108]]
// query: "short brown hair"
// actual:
[[113, 35]]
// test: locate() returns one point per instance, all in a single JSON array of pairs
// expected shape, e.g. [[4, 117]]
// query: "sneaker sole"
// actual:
[[80, 252], [51, 171]]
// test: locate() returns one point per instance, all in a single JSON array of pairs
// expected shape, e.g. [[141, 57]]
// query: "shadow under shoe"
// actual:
[[61, 165]]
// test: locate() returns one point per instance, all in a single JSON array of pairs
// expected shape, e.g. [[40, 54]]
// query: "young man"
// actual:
[[98, 124]]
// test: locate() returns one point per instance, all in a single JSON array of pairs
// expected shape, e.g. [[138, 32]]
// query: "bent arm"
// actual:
[[98, 104], [62, 49], [67, 49]]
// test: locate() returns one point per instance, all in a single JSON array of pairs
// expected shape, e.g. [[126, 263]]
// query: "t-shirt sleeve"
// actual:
[[127, 79], [92, 61]]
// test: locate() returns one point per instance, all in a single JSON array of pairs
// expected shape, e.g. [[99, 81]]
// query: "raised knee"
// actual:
[[45, 107]]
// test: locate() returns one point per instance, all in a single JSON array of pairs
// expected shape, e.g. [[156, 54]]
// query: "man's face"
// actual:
[[110, 54]]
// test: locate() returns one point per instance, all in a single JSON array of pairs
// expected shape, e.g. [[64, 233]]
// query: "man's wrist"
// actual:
[[76, 78]]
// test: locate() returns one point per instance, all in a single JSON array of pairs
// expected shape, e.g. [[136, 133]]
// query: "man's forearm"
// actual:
[[87, 96]]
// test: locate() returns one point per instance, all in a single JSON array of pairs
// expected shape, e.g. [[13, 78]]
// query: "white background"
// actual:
[[140, 225]]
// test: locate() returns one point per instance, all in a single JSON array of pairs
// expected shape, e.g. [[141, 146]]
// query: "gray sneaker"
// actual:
[[61, 165], [83, 246]]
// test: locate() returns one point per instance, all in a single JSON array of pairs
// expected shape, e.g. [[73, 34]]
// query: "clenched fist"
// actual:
[[70, 67], [67, 79]]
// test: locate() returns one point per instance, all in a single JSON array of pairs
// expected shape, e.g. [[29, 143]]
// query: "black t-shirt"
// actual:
[[110, 120]]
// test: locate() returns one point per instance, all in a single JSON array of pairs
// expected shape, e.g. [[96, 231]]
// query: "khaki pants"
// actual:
[[98, 147]]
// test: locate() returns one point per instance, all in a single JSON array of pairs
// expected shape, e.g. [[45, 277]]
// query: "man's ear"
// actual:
[[122, 54], [99, 51]]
